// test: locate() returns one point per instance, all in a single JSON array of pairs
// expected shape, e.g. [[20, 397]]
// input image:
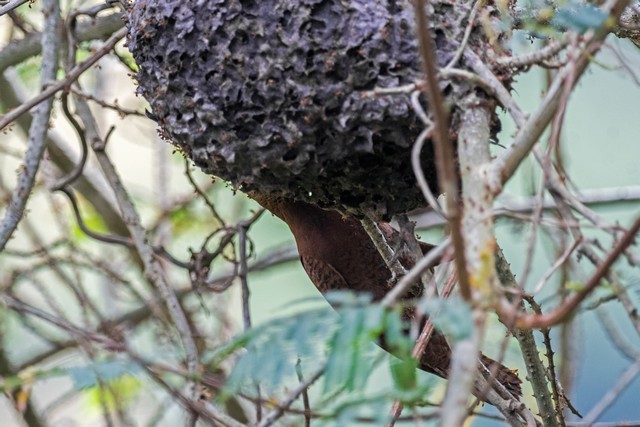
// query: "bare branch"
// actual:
[[39, 126], [71, 77], [11, 95], [99, 29], [414, 275], [506, 164], [550, 50], [12, 4], [152, 268], [274, 415], [565, 309], [447, 176]]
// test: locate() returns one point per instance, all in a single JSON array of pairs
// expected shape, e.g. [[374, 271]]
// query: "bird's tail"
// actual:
[[505, 376]]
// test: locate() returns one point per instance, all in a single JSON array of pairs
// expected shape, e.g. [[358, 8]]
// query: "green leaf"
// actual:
[[403, 372], [395, 336], [344, 340], [452, 316], [271, 350], [346, 365]]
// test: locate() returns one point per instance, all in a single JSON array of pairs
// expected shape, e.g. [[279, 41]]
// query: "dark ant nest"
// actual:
[[271, 95]]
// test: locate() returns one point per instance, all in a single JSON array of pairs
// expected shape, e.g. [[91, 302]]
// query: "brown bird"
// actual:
[[338, 254]]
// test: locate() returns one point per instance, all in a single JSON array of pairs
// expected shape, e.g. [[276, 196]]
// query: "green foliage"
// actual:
[[348, 410], [404, 373], [271, 350], [342, 339], [349, 361]]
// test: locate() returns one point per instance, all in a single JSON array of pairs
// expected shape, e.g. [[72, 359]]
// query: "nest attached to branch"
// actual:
[[274, 95]]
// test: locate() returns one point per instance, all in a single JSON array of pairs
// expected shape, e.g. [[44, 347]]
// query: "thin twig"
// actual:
[[614, 334], [447, 176], [243, 227], [138, 315], [422, 342], [12, 94], [561, 312], [71, 77], [414, 275], [12, 5], [461, 375], [80, 334], [201, 407], [202, 194], [152, 268], [305, 397], [123, 112], [532, 58], [39, 126], [556, 265], [532, 238], [551, 371], [506, 164], [467, 33], [274, 415], [536, 372], [79, 167], [497, 88], [419, 173], [383, 247], [20, 50]]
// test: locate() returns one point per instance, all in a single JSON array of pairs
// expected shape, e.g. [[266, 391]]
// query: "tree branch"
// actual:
[[447, 176], [87, 184], [71, 77], [507, 163], [152, 269], [39, 126], [560, 313], [100, 28]]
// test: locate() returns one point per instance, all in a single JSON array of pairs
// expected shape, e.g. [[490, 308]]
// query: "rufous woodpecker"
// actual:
[[338, 254]]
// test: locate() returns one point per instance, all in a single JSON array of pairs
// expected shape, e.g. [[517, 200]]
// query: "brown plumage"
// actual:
[[337, 254]]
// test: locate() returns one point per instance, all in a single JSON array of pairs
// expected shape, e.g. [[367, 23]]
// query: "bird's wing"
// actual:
[[323, 275]]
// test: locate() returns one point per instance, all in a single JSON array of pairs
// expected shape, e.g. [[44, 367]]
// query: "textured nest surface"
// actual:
[[270, 95]]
